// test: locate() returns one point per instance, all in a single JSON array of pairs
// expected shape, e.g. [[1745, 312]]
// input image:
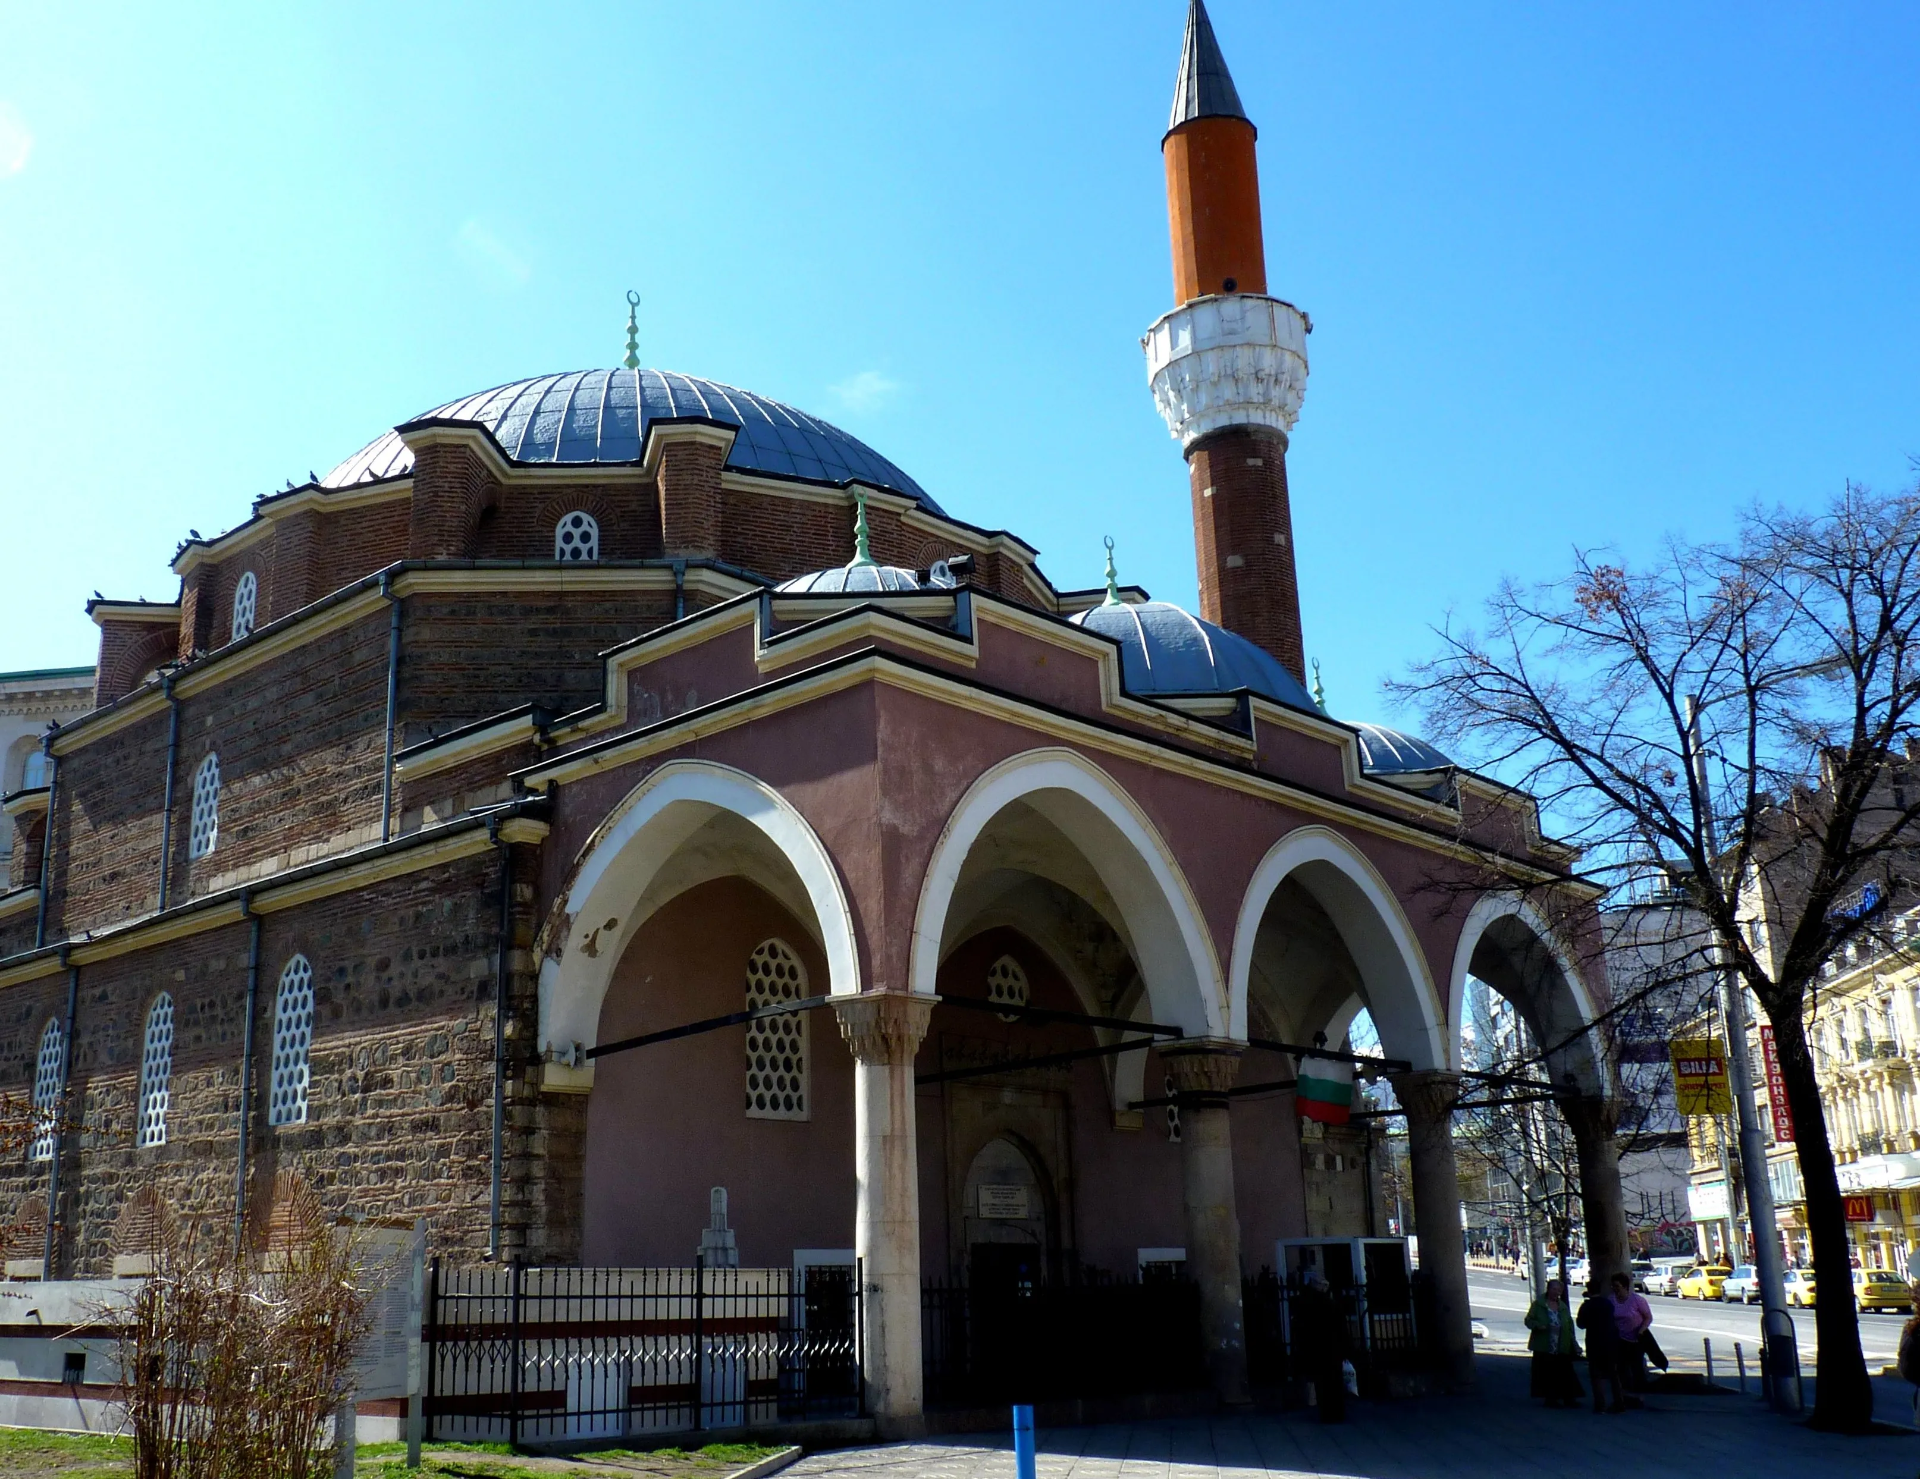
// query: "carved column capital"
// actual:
[[1202, 1065], [1427, 1094], [883, 1027]]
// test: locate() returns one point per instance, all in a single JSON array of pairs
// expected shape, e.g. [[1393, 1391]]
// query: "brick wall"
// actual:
[[129, 650], [106, 829], [451, 488], [1243, 538], [521, 526]]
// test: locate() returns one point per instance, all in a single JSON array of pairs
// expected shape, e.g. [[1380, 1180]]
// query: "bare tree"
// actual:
[[1741, 715]]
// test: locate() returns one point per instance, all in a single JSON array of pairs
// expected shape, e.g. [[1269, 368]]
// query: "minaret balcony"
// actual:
[[1228, 360]]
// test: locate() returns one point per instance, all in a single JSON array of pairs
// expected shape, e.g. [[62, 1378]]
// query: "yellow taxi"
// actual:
[[1703, 1281], [1799, 1284], [1879, 1289]]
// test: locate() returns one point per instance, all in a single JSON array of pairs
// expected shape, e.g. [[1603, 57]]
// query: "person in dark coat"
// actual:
[[1320, 1338], [1596, 1317], [1550, 1338]]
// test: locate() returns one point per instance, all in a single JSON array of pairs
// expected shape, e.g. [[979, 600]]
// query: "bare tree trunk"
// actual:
[[1844, 1401]]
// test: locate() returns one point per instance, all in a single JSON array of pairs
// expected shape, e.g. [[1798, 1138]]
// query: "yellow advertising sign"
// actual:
[[1700, 1084]]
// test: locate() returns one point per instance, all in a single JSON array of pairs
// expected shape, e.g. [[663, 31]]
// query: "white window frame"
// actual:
[[246, 606], [156, 1073], [49, 1080], [779, 1070], [203, 832], [292, 1045], [576, 538]]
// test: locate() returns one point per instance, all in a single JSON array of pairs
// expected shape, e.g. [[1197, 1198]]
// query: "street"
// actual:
[[1680, 1325]]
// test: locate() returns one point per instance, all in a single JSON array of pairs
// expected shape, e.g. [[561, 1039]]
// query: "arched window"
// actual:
[[292, 1044], [48, 1071], [156, 1072], [576, 537], [777, 1078], [204, 831], [1173, 1113], [33, 774], [246, 603], [1007, 986]]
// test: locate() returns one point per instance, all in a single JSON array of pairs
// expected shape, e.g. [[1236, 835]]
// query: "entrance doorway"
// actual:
[[1005, 1204]]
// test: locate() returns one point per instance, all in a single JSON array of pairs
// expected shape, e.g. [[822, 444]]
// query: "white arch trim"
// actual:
[[630, 847], [1171, 945], [1392, 965], [1487, 911]]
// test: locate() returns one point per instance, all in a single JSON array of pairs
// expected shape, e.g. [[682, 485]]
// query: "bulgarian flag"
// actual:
[[1324, 1091]]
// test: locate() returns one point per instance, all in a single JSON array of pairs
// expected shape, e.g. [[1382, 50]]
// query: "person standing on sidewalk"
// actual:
[[1550, 1338], [1633, 1319], [1320, 1330], [1596, 1317]]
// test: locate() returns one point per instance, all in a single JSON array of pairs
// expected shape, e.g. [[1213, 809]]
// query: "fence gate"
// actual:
[[517, 1354]]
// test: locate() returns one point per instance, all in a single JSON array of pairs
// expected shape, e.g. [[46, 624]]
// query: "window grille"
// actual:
[[777, 1069], [577, 537], [292, 1044], [204, 830], [1173, 1114], [156, 1073], [246, 603], [1007, 986], [48, 1071]]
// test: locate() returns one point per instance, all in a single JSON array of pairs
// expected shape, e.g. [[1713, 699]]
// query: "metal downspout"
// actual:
[[246, 1068], [59, 1128], [502, 976], [393, 693], [679, 589], [166, 791], [46, 841]]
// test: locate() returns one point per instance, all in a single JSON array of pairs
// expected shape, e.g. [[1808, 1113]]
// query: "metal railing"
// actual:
[[518, 1354]]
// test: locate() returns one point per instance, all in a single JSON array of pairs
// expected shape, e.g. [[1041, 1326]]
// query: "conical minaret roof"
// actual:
[[1204, 88]]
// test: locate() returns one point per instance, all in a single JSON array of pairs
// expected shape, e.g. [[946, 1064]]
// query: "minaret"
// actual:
[[1229, 365]]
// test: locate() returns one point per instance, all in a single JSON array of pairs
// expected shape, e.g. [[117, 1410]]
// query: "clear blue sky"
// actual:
[[1578, 274]]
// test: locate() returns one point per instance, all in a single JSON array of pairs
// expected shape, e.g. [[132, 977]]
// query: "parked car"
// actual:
[[1703, 1281], [1800, 1288], [1879, 1289], [1642, 1271], [1665, 1278], [1742, 1284]]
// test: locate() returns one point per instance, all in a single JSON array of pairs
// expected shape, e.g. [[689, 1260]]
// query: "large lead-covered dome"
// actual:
[[1166, 651], [602, 416]]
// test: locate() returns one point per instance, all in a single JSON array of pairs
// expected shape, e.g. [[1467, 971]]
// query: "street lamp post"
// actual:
[[1780, 1361]]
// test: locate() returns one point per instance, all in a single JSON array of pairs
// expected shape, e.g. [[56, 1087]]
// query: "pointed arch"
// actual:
[[583, 942], [1556, 999], [1401, 995], [1161, 921]]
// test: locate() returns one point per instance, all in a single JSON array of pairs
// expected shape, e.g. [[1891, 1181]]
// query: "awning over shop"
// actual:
[[1880, 1173]]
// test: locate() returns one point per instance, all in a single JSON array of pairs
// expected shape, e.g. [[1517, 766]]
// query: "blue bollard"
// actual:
[[1023, 1467]]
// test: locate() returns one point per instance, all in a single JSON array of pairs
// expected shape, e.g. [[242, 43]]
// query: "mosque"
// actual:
[[604, 703]]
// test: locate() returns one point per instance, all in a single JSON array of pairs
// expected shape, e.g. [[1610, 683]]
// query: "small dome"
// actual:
[[851, 578], [1387, 752], [1165, 651], [602, 416]]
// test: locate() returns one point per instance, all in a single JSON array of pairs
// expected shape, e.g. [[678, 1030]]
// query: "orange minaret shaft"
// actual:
[[1236, 442]]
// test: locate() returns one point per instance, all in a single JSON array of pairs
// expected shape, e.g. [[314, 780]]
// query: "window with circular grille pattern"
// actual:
[[156, 1073], [1173, 1113], [246, 604], [1007, 986], [577, 537], [292, 1044], [777, 1070], [48, 1069], [204, 829]]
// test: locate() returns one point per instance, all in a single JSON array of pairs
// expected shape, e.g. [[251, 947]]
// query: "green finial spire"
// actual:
[[862, 556], [632, 361], [1113, 579], [1319, 688]]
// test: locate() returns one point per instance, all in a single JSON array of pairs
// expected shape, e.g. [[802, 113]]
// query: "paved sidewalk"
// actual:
[[1494, 1433]]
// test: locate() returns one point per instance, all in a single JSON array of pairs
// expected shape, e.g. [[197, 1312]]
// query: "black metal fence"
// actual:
[[517, 1354], [1075, 1333], [1379, 1330]]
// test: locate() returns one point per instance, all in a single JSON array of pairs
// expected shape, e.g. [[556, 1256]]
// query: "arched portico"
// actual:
[[659, 841], [1119, 863]]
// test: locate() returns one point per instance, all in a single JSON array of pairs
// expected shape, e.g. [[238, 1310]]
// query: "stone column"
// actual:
[[1428, 1096], [1593, 1121], [1202, 1071], [883, 1031]]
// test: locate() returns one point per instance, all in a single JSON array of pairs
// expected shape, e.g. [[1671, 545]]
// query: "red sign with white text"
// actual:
[[1776, 1089]]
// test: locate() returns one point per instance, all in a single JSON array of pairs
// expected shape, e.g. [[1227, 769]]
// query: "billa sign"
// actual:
[[1700, 1076], [1777, 1105]]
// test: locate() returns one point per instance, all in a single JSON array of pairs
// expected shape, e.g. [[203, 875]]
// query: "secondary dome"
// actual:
[[854, 578], [1166, 651], [602, 416], [1386, 751]]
